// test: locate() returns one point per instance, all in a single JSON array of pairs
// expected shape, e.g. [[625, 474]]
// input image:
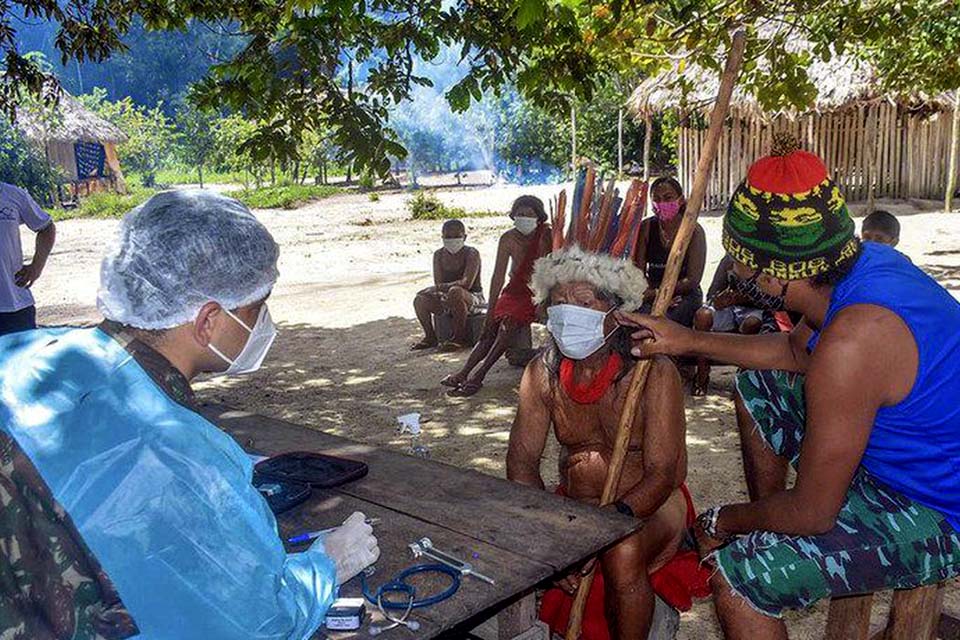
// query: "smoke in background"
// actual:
[[503, 134]]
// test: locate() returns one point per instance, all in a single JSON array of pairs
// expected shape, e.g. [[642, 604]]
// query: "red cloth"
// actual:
[[784, 323], [677, 583], [516, 299], [591, 393]]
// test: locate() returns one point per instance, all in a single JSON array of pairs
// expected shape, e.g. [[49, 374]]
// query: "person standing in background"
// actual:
[[17, 310]]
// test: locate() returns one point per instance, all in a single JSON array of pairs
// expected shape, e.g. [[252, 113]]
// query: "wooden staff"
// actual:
[[660, 305]]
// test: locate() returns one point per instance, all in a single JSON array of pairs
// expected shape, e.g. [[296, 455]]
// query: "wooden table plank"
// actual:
[[518, 536], [512, 572], [550, 529]]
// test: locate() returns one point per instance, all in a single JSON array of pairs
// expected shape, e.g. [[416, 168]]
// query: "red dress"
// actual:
[[516, 299]]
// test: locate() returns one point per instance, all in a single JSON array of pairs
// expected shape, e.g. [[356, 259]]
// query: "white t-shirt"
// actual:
[[16, 208]]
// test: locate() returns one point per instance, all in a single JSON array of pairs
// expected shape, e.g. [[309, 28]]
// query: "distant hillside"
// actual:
[[157, 66]]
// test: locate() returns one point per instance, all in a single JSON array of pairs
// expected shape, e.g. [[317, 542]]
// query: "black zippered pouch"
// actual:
[[313, 469]]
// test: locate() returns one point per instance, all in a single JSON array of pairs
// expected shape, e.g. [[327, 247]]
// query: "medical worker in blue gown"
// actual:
[[162, 497]]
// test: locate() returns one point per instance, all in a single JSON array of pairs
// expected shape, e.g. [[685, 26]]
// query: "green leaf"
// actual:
[[530, 12]]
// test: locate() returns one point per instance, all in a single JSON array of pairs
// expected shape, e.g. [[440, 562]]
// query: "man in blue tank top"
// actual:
[[861, 398]]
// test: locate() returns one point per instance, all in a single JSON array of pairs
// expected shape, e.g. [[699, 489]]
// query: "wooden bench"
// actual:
[[915, 614]]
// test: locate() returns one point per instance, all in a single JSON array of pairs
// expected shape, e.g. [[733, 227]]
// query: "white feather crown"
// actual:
[[615, 275]]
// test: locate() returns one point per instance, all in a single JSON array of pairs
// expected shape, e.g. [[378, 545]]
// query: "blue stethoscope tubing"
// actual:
[[399, 585]]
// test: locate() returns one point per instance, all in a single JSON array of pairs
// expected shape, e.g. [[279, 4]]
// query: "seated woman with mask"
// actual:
[[161, 497], [657, 235], [511, 307]]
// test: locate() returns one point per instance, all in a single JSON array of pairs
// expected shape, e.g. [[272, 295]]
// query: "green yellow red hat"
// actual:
[[787, 218]]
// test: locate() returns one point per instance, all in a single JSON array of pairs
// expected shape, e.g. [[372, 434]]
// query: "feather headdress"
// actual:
[[599, 242]]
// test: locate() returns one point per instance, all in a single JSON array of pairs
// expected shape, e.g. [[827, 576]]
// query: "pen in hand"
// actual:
[[313, 535]]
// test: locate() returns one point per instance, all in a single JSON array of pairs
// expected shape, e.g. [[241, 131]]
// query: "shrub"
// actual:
[[105, 205], [426, 206], [24, 165], [286, 196]]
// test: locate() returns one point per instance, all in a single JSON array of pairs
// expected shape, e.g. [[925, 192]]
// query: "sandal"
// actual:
[[465, 390], [452, 380], [423, 345], [451, 346]]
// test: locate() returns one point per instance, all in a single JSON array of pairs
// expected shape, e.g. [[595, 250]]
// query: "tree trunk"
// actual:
[[200, 173], [954, 151]]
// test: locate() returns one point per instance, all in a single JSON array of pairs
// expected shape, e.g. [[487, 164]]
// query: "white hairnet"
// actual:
[[181, 250]]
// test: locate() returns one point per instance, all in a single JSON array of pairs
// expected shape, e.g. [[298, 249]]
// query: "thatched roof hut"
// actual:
[[77, 141], [875, 143]]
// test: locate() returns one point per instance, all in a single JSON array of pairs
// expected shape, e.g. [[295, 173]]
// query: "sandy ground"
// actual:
[[349, 270]]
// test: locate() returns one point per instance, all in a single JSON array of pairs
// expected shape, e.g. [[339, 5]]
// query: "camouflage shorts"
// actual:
[[882, 539]]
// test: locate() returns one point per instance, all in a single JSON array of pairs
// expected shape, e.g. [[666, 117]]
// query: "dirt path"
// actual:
[[349, 270]]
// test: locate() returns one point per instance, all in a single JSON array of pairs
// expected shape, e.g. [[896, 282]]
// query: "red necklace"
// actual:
[[591, 392]]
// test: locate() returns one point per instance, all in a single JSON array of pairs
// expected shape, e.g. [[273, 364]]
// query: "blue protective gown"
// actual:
[[162, 497]]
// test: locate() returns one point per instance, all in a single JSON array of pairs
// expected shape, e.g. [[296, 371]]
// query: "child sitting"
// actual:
[[511, 307], [881, 226], [456, 289]]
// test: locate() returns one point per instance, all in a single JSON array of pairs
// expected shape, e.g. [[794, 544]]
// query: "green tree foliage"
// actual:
[[339, 65], [25, 165], [197, 137], [914, 45], [151, 135]]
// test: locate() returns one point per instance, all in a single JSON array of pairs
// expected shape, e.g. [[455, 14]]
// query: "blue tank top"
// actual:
[[915, 445]]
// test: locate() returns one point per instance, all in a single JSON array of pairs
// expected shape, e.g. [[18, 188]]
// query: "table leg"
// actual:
[[519, 617]]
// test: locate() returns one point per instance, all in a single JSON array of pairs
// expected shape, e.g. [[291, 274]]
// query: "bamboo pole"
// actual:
[[620, 143], [573, 140], [647, 137], [873, 149], [954, 151], [664, 296]]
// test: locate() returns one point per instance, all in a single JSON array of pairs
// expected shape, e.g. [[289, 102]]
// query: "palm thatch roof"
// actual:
[[842, 82], [69, 122]]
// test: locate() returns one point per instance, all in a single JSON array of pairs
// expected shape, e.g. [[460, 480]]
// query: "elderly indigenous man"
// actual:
[[511, 308], [456, 289], [162, 499], [861, 398], [578, 386]]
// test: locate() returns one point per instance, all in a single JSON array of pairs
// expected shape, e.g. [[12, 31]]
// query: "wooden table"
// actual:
[[518, 536]]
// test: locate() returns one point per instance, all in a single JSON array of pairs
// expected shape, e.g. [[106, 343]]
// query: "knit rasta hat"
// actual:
[[787, 218]]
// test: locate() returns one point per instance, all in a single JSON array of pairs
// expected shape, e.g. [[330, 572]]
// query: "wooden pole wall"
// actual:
[[873, 151]]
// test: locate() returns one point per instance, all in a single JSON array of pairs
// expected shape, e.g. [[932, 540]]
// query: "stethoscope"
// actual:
[[399, 585]]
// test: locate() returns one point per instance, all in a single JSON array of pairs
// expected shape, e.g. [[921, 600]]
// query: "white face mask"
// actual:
[[255, 350], [577, 330], [453, 245], [525, 225]]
